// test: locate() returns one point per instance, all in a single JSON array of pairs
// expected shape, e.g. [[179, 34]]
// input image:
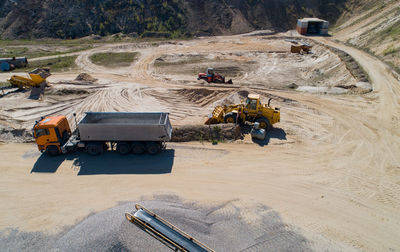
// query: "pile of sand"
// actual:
[[8, 134], [220, 132], [85, 77]]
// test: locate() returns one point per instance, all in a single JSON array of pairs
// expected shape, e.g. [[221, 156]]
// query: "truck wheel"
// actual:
[[230, 118], [123, 148], [152, 148], [138, 148], [52, 150], [264, 123], [94, 149]]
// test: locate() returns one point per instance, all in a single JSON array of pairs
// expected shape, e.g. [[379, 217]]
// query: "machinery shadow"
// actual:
[[114, 163], [276, 133], [109, 163], [48, 164]]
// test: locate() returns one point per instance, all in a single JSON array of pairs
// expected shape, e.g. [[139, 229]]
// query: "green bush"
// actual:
[[114, 59]]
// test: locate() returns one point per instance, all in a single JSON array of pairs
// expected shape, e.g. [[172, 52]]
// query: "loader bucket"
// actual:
[[211, 121], [217, 116]]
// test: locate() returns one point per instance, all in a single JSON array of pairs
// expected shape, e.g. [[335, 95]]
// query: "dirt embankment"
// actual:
[[221, 132]]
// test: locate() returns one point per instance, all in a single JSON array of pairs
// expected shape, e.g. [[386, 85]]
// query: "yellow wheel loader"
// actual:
[[251, 111]]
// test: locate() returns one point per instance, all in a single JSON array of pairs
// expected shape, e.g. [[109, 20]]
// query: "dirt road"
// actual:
[[331, 168]]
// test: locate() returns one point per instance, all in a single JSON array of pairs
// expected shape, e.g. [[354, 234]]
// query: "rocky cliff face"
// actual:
[[78, 18]]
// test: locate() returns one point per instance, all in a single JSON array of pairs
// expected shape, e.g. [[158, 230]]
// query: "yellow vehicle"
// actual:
[[37, 77], [51, 133], [36, 81], [250, 111]]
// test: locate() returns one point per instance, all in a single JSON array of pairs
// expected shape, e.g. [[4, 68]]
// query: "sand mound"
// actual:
[[85, 77], [226, 227], [220, 132], [8, 134]]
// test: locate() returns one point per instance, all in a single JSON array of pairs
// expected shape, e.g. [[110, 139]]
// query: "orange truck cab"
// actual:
[[51, 133]]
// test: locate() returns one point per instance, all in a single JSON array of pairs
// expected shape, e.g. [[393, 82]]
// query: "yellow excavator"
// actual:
[[37, 82], [250, 111]]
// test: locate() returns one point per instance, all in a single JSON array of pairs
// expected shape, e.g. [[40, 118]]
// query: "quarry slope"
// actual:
[[329, 169]]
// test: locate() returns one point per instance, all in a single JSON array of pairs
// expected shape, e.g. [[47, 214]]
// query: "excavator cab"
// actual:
[[210, 75], [51, 133]]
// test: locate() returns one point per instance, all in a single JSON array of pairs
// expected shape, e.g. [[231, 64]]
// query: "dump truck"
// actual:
[[162, 230], [250, 111], [36, 81], [123, 132], [8, 64], [212, 77]]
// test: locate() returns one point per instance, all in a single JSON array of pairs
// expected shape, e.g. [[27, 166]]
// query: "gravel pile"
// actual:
[[225, 227]]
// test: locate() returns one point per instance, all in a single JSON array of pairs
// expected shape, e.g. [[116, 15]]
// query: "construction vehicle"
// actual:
[[212, 77], [36, 82], [165, 232], [100, 131], [250, 111], [8, 64]]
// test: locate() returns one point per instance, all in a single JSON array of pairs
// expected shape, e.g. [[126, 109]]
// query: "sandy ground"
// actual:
[[330, 169]]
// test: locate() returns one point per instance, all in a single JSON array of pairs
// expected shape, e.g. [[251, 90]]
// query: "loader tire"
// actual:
[[138, 148], [264, 123], [123, 148], [230, 118], [52, 150], [153, 148]]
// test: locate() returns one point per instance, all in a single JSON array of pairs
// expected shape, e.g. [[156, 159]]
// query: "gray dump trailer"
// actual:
[[123, 132]]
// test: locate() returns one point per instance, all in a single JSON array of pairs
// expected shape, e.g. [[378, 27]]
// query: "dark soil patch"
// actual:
[[66, 91], [85, 77], [194, 95]]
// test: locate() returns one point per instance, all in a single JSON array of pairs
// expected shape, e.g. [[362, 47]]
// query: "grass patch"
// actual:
[[4, 84], [58, 64], [192, 60], [8, 52], [390, 50], [114, 59]]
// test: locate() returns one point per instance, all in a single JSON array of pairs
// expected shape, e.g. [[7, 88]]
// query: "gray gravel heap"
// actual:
[[221, 227]]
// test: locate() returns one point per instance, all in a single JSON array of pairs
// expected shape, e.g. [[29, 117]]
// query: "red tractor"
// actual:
[[212, 77]]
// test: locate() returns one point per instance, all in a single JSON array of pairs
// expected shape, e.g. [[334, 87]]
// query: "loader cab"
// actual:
[[51, 131], [252, 104]]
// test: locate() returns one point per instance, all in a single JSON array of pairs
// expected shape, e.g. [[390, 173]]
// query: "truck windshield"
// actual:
[[41, 132]]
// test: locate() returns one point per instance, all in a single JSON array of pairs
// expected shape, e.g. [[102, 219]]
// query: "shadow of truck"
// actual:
[[109, 163]]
